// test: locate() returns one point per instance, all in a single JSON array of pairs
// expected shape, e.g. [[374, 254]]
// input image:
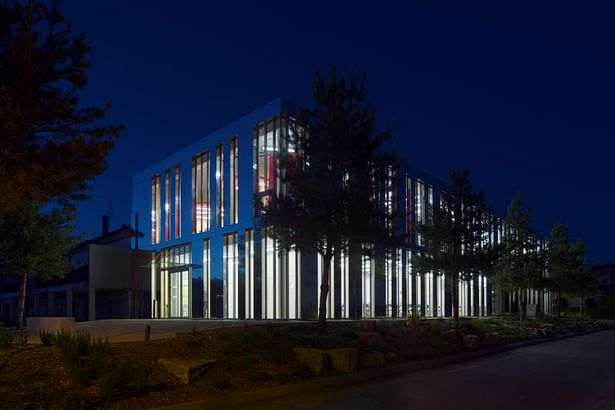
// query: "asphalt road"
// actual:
[[574, 373]]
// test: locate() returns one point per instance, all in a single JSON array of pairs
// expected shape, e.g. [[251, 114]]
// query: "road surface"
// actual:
[[574, 373]]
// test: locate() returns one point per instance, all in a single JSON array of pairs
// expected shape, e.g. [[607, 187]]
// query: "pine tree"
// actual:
[[456, 236], [520, 266], [50, 145], [335, 172], [566, 263]]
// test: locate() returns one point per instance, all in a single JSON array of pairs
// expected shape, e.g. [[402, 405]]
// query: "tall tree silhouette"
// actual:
[[454, 236], [50, 145], [335, 169]]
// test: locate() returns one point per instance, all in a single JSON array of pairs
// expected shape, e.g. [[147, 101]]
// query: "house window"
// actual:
[[155, 218], [178, 202], [220, 185], [201, 202], [234, 194]]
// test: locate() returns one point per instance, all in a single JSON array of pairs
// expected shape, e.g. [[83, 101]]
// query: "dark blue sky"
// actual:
[[522, 93]]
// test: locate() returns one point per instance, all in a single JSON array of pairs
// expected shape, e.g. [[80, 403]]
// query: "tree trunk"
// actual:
[[454, 297], [324, 291], [522, 305], [581, 306], [21, 301], [559, 303]]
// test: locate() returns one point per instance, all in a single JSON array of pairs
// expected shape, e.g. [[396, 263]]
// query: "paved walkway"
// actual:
[[133, 330]]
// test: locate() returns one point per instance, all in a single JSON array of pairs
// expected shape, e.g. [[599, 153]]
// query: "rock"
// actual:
[[186, 370], [371, 338], [450, 334], [344, 360], [391, 357], [471, 342], [372, 358], [314, 359], [366, 325], [491, 339]]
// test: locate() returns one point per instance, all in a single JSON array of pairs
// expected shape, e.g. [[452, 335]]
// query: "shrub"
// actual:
[[6, 338], [193, 339], [221, 383], [46, 337], [84, 356], [414, 319], [120, 375]]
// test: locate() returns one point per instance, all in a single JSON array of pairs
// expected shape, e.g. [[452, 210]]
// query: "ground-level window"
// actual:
[[175, 281], [231, 276]]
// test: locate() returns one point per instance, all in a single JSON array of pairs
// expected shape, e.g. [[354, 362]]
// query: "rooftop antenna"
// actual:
[[109, 207]]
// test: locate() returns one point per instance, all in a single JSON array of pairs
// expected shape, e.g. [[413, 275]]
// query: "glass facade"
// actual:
[[201, 194], [248, 274]]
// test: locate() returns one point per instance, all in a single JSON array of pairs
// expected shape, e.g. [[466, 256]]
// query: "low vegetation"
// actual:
[[75, 370]]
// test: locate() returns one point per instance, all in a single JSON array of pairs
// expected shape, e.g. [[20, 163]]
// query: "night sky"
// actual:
[[521, 93]]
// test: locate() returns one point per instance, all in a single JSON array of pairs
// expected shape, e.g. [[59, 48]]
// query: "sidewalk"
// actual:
[[133, 330]]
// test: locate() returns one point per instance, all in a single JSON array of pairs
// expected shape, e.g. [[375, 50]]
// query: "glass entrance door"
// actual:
[[179, 292]]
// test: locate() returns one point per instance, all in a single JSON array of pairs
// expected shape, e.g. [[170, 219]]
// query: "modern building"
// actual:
[[110, 281], [212, 259]]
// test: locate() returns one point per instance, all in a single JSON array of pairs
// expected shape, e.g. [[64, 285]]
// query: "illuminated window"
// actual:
[[220, 185], [419, 207], [167, 205], [249, 274], [234, 194], [206, 280], [178, 202], [409, 213], [201, 202], [270, 137], [231, 276], [155, 217]]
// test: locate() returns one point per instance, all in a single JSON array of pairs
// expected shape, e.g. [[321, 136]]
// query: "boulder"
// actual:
[[314, 359], [186, 370], [372, 358], [391, 356], [471, 342], [490, 339], [450, 334], [371, 338], [344, 360]]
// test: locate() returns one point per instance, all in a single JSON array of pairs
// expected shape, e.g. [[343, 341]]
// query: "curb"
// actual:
[[328, 382]]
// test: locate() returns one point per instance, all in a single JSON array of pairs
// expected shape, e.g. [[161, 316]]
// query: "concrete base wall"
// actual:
[[50, 324]]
